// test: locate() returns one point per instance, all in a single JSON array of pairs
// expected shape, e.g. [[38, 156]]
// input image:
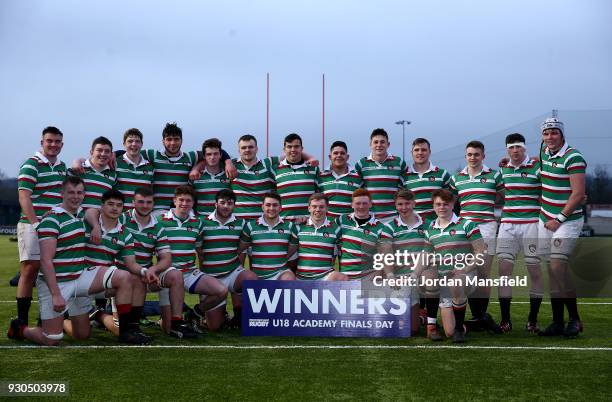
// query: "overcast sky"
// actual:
[[457, 69]]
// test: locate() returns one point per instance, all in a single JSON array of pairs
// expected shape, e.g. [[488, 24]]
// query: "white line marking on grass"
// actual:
[[271, 347]]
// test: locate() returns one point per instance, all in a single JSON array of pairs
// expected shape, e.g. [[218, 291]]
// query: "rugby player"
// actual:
[[296, 179], [458, 237], [212, 178], [273, 241], [362, 235], [560, 223], [220, 258], [184, 231], [408, 235], [477, 187], [133, 171], [339, 182], [518, 230], [96, 172], [66, 282], [383, 174], [39, 186], [423, 178], [317, 243]]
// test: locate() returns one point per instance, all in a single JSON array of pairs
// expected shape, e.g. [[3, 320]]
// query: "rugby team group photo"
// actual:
[[98, 234]]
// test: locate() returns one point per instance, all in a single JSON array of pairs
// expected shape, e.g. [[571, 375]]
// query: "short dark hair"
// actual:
[[74, 180], [185, 189], [132, 132], [405, 194], [248, 137], [211, 143], [114, 195], [101, 141], [52, 130], [172, 130], [475, 144], [421, 140], [292, 137], [225, 194], [338, 144], [444, 194], [273, 195], [318, 196], [514, 137], [379, 131], [145, 191]]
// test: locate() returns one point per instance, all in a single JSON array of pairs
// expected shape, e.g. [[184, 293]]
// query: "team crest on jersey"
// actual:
[[114, 240], [281, 231], [256, 173], [145, 172], [326, 234], [224, 181], [431, 178], [524, 174], [452, 232], [61, 173], [106, 175], [391, 167], [366, 232], [421, 232], [554, 164], [532, 248], [483, 180], [306, 171], [189, 228], [150, 236], [557, 242], [230, 226]]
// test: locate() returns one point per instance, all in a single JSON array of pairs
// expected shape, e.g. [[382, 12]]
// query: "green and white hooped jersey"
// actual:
[[131, 176], [452, 242], [207, 187], [317, 247], [220, 243], [116, 244], [339, 190], [477, 194], [423, 185], [270, 245], [43, 180], [295, 184], [184, 236], [407, 238], [169, 173], [250, 185], [96, 184], [149, 240], [69, 232], [556, 189], [382, 180], [358, 243], [523, 191]]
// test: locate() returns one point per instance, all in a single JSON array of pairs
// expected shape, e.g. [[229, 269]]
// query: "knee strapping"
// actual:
[[54, 337], [107, 281]]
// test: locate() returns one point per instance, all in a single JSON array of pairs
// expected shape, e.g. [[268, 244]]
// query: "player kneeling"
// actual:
[[318, 240], [65, 282]]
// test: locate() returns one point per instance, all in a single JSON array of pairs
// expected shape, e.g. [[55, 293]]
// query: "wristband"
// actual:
[[561, 218], [143, 271]]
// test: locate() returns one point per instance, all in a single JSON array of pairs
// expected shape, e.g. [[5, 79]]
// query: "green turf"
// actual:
[[321, 374]]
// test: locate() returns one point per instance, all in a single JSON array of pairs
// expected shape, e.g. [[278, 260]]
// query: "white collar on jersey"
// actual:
[[59, 208], [560, 152], [485, 169], [389, 156], [170, 215], [285, 163], [152, 220], [525, 162], [311, 223], [88, 164], [116, 229], [400, 221], [339, 176], [219, 173], [213, 217], [142, 162], [43, 158], [454, 219], [262, 221], [172, 158], [431, 168]]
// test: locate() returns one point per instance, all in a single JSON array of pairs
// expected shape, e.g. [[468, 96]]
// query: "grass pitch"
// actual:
[[515, 366]]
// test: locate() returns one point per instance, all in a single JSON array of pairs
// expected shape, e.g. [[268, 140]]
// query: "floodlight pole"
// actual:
[[404, 123]]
